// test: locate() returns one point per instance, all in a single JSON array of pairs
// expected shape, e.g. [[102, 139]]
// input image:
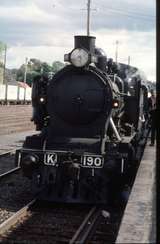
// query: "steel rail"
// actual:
[[88, 226], [6, 153], [10, 172], [6, 225]]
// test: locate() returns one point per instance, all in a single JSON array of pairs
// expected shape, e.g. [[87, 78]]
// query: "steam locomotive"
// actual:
[[91, 116]]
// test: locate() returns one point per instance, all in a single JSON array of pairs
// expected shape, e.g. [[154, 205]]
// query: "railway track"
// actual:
[[83, 222], [7, 152], [88, 226], [59, 224], [6, 225], [9, 173], [7, 166], [14, 190]]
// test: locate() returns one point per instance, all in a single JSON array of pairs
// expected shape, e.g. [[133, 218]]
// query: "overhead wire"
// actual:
[[131, 14]]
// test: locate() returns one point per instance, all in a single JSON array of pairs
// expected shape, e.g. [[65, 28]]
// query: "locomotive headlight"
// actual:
[[79, 57], [28, 164], [30, 160]]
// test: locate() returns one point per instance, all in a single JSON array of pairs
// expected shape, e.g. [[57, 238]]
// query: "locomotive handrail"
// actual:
[[124, 94], [115, 130]]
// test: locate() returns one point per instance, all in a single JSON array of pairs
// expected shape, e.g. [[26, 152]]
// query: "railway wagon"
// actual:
[[14, 94]]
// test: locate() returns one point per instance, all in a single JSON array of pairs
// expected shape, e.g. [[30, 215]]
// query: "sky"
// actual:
[[45, 30]]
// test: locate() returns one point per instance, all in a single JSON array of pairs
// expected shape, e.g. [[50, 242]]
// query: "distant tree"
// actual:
[[31, 73], [2, 59], [20, 73], [45, 68], [36, 67], [1, 64], [30, 77], [2, 48], [57, 65], [34, 64], [14, 73]]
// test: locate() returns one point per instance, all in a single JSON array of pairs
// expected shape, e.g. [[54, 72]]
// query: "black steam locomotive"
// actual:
[[91, 115]]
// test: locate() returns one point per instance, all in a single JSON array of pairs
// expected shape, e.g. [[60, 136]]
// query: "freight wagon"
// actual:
[[15, 94]]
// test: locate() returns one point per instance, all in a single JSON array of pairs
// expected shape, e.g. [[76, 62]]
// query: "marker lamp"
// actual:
[[41, 99], [115, 104]]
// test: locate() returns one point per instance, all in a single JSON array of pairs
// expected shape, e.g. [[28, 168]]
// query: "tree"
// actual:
[[56, 66], [36, 67], [32, 71], [45, 68], [2, 47], [2, 60]]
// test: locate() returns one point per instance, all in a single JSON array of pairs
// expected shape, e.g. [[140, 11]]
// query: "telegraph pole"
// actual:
[[129, 60], [4, 73], [116, 53], [4, 69], [25, 71], [88, 16], [25, 78]]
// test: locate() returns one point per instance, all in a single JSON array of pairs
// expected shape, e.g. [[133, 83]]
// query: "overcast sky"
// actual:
[[45, 29]]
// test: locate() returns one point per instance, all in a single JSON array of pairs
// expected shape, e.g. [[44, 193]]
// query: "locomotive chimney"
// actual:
[[87, 42]]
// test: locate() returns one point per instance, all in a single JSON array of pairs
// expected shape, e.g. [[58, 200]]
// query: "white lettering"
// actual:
[[50, 159], [98, 162], [92, 162]]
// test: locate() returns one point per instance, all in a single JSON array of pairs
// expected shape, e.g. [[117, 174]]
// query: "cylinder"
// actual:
[[87, 42]]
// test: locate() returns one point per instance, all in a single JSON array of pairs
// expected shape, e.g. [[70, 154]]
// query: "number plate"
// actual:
[[50, 159], [92, 161]]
